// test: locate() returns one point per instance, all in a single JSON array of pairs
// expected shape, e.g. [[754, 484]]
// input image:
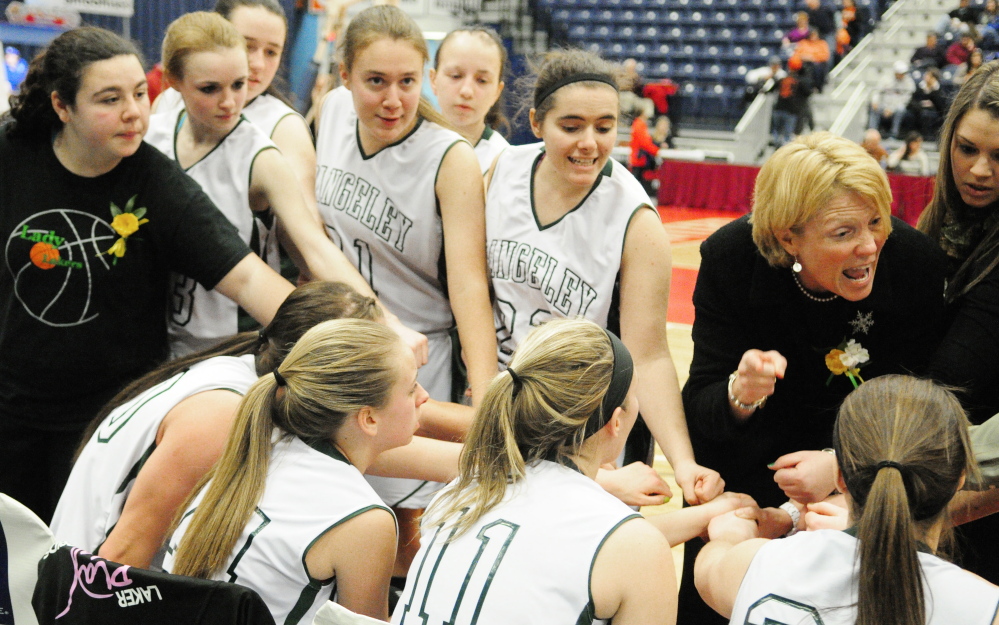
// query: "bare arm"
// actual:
[[191, 439], [360, 553], [633, 579], [680, 526], [462, 201], [968, 506], [256, 287], [422, 459], [294, 139], [445, 420], [645, 279], [722, 564]]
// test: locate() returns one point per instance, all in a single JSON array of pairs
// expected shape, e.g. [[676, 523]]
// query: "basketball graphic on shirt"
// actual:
[[44, 255], [55, 258]]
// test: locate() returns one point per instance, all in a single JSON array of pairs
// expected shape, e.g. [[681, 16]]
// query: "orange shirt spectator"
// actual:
[[642, 145], [813, 49]]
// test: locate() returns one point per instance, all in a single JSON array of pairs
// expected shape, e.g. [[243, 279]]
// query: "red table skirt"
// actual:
[[720, 186]]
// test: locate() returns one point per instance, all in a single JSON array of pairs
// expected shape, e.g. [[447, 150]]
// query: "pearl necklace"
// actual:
[[814, 298]]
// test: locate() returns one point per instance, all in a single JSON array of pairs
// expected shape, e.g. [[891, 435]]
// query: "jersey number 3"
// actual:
[[453, 576]]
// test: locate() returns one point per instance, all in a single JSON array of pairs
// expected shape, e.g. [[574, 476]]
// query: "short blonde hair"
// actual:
[[801, 178]]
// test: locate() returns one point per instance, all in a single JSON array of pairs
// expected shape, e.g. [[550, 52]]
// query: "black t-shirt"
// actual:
[[75, 322]]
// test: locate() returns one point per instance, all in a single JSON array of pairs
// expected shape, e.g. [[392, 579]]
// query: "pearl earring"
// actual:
[[796, 267]]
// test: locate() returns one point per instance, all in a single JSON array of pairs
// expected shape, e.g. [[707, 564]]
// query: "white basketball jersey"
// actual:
[[811, 579], [105, 472], [381, 209], [527, 560], [265, 111], [199, 318], [565, 269], [309, 491], [488, 147]]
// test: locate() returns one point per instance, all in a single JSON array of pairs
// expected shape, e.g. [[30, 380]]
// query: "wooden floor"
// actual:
[[687, 229]]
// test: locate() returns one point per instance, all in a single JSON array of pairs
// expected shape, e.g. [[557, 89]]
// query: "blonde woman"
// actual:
[[286, 510]]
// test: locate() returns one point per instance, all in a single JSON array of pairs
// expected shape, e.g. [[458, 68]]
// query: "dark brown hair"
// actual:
[[979, 92], [60, 68]]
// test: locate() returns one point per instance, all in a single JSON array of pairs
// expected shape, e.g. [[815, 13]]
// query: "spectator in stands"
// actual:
[[815, 51], [910, 158], [988, 30], [928, 104], [930, 55], [644, 151], [792, 101], [969, 67], [756, 79], [632, 87], [966, 13], [662, 132], [872, 143], [856, 22], [800, 30], [959, 51], [890, 99], [823, 19]]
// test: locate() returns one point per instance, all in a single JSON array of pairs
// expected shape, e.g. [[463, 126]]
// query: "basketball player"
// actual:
[[467, 79], [402, 197], [204, 58], [155, 440], [108, 218], [903, 451], [571, 232], [525, 535], [286, 510], [264, 25]]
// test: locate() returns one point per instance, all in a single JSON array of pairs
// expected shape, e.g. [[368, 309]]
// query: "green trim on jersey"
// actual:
[[487, 134], [605, 172], [327, 448], [414, 491], [249, 177], [628, 227], [266, 520], [134, 471], [176, 131], [281, 119], [437, 175], [169, 549], [308, 595], [173, 382], [589, 584], [360, 148]]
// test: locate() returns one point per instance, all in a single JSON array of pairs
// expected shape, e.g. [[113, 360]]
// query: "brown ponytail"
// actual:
[[902, 445]]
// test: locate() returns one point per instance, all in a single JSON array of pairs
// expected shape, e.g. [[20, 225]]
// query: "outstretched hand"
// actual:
[[806, 476], [636, 484], [826, 515]]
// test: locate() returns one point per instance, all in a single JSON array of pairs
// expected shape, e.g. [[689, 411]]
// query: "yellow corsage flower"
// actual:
[[834, 363], [846, 359], [125, 223]]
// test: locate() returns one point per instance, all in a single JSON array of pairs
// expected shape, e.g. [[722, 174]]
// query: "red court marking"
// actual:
[[681, 293], [679, 213]]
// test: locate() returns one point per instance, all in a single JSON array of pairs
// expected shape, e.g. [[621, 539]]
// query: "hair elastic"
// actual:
[[890, 464], [517, 382], [572, 78], [617, 392], [280, 379]]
